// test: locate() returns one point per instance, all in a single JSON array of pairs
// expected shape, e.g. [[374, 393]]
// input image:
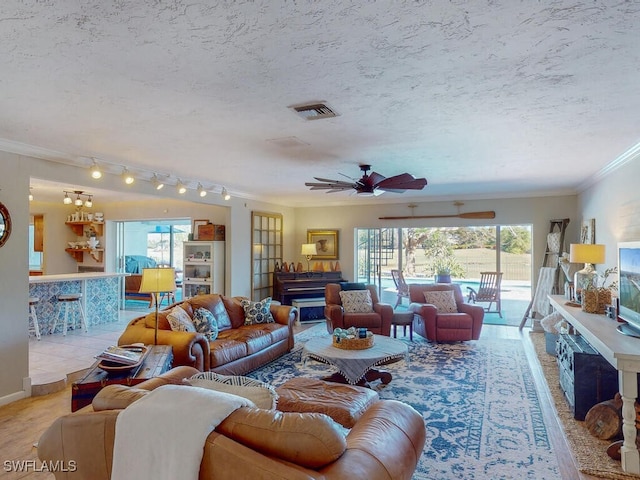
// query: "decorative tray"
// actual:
[[355, 343], [109, 366]]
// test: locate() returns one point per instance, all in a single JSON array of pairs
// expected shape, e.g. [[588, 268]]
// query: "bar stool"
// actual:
[[33, 318], [70, 302]]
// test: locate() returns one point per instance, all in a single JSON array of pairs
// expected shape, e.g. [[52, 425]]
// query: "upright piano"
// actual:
[[289, 286]]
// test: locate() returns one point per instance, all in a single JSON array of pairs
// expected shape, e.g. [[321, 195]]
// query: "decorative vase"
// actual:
[[604, 299], [589, 300], [443, 278]]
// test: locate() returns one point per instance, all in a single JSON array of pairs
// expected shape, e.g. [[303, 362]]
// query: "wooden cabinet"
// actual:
[[79, 228], [585, 377], [203, 268]]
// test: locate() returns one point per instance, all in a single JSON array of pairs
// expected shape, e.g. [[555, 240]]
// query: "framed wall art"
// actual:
[[588, 231], [196, 224], [326, 244]]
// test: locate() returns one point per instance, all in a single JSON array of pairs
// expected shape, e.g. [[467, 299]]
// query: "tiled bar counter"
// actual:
[[100, 296]]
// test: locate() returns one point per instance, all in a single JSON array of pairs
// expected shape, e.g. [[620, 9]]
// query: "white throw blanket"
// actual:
[[546, 279], [161, 435]]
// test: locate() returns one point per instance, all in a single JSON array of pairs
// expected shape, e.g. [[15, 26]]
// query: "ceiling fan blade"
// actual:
[[332, 188], [376, 178], [403, 182], [328, 180], [331, 183]]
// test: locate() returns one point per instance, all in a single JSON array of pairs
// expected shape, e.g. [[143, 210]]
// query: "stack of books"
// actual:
[[129, 355]]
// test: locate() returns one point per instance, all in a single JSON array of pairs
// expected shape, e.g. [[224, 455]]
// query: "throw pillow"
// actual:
[[180, 320], [205, 323], [260, 393], [257, 312], [443, 300], [356, 301]]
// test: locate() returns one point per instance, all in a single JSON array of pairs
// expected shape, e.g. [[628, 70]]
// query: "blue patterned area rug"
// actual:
[[478, 401]]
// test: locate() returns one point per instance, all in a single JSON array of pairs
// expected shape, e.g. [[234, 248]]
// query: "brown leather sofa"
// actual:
[[384, 444], [378, 321], [465, 324], [235, 351]]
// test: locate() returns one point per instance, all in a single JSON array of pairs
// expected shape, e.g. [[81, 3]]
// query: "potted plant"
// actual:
[[446, 266]]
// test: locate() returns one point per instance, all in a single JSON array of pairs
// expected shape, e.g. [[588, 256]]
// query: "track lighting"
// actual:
[[66, 200], [78, 201], [127, 176], [201, 191], [95, 171], [155, 181], [182, 189], [225, 194], [89, 202]]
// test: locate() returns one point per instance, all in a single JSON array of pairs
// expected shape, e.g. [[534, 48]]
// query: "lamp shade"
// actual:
[[586, 253], [156, 280], [309, 249]]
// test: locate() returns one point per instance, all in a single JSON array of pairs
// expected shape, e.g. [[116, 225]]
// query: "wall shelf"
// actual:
[[78, 227], [78, 253]]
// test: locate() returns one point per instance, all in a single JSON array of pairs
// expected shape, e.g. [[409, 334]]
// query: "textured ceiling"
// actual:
[[483, 98]]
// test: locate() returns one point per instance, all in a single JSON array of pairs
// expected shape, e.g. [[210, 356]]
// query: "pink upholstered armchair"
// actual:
[[377, 321], [463, 322]]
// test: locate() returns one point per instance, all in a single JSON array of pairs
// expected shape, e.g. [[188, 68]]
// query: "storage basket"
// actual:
[[354, 343]]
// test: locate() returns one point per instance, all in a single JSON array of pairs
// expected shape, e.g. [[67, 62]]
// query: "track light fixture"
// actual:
[[127, 176], [66, 200], [157, 184], [201, 191], [225, 194], [182, 189], [95, 171], [78, 201], [89, 202]]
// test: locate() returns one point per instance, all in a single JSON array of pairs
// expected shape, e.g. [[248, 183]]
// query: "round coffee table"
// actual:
[[356, 367]]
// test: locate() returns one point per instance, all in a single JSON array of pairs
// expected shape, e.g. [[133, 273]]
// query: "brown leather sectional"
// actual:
[[384, 444], [237, 350]]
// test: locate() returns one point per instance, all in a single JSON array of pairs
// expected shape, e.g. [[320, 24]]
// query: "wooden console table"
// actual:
[[621, 351]]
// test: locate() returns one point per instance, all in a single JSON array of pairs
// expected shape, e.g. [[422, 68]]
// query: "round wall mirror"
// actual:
[[5, 224]]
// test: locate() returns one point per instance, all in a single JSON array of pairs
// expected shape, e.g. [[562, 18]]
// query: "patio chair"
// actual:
[[488, 291], [401, 286]]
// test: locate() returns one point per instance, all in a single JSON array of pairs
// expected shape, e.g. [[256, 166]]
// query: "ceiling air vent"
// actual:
[[314, 111]]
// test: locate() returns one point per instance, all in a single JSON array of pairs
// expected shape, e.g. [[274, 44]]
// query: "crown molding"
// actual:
[[630, 155]]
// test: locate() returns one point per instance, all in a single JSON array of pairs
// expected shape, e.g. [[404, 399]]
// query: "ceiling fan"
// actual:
[[370, 184]]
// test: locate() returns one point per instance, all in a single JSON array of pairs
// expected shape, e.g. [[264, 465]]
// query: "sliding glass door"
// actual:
[[465, 252]]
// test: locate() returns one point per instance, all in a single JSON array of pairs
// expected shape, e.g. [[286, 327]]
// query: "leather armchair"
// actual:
[[465, 324], [378, 321]]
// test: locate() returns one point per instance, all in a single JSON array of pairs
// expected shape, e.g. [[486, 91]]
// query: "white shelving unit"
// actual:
[[203, 268]]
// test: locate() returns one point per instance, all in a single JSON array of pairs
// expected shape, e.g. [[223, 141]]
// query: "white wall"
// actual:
[[614, 203], [14, 281]]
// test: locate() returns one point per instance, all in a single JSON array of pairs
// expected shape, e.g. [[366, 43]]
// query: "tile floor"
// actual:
[[54, 357]]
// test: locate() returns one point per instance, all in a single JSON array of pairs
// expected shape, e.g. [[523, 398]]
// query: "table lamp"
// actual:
[[309, 250], [588, 254], [156, 281]]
